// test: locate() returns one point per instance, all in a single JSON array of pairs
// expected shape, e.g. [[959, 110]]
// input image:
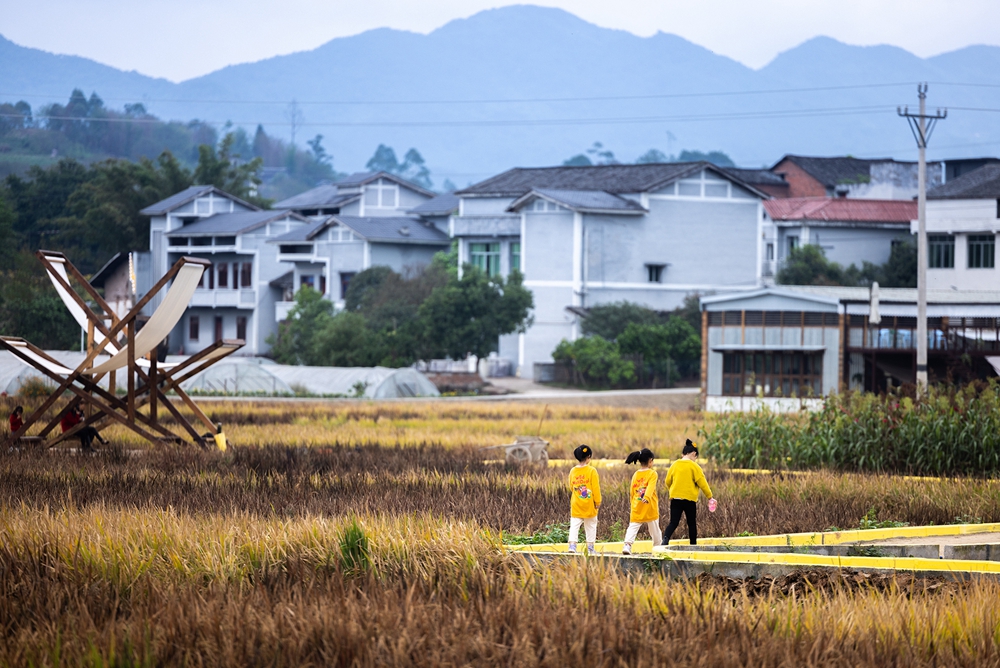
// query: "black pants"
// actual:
[[87, 436], [689, 508]]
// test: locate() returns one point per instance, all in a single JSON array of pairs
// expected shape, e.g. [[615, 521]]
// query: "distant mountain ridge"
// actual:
[[540, 56]]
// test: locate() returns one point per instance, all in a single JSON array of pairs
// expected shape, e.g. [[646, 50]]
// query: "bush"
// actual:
[[594, 360], [951, 432]]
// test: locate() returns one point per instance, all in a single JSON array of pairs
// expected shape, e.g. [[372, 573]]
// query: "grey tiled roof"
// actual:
[[615, 179], [584, 200], [442, 205], [837, 170], [756, 177], [303, 233], [317, 198], [230, 223], [395, 229], [185, 196], [361, 178], [982, 183]]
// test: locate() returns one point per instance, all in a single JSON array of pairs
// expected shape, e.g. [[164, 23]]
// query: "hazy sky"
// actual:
[[180, 39]]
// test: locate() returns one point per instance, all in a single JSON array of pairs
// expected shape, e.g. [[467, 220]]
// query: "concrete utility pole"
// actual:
[[922, 126]]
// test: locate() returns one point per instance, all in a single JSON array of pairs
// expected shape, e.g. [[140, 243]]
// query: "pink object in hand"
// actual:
[[712, 505]]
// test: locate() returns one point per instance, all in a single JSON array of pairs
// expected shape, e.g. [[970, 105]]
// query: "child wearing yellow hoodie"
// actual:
[[684, 479], [643, 499], [586, 501]]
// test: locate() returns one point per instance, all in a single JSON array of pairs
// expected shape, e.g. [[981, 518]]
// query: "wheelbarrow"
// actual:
[[524, 450]]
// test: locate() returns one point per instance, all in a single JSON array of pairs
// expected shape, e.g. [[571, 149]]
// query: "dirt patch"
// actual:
[[804, 581]]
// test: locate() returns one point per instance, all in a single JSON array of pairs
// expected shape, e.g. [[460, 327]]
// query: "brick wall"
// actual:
[[800, 184]]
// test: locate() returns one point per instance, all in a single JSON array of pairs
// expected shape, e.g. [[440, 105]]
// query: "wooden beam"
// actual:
[[131, 369], [153, 387]]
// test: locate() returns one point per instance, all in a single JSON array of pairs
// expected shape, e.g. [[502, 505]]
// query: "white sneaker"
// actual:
[[572, 548], [627, 549], [591, 552]]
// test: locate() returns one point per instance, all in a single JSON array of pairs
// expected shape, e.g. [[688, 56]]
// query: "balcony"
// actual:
[[224, 298], [281, 310]]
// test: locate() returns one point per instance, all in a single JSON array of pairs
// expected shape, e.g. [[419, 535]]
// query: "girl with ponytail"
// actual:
[[645, 506]]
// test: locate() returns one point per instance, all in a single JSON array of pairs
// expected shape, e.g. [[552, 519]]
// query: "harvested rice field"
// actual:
[[368, 534]]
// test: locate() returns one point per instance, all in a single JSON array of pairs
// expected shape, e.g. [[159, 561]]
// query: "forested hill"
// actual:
[[535, 55]]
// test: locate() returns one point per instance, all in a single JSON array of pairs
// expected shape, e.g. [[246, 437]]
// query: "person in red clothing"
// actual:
[[73, 417], [16, 419]]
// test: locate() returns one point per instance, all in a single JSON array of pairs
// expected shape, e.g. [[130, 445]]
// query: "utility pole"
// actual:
[[295, 117], [922, 126]]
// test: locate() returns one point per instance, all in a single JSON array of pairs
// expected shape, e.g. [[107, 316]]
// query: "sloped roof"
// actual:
[[982, 183], [104, 273], [863, 294], [231, 223], [361, 178], [303, 234], [756, 177], [833, 171], [188, 194], [441, 205], [842, 209], [320, 197], [592, 201], [615, 179], [395, 229]]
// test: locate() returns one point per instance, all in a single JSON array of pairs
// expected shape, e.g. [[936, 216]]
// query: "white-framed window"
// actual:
[[703, 184], [543, 205], [515, 255], [982, 251], [486, 256], [382, 194]]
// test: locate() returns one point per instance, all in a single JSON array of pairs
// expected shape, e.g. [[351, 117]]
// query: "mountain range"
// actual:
[[526, 85]]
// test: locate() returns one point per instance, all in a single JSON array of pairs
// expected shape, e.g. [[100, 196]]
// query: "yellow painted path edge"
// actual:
[[806, 539]]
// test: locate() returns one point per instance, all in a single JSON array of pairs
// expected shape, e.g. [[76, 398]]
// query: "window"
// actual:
[[782, 374], [322, 285], [654, 272], [225, 241], [345, 282], [218, 328], [211, 276], [544, 205], [193, 328], [223, 275], [940, 251], [295, 249], [382, 194], [515, 256], [793, 243], [246, 274], [236, 276], [178, 241], [201, 241], [982, 251], [770, 252], [241, 327], [486, 257], [307, 280]]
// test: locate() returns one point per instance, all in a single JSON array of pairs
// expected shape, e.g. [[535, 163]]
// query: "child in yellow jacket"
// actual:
[[684, 479], [586, 501], [643, 500]]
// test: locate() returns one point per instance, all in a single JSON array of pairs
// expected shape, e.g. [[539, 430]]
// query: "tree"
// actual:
[[413, 167], [384, 160], [900, 271], [715, 157], [469, 315], [222, 169], [653, 155], [346, 340], [610, 320], [690, 311], [294, 343], [595, 155], [364, 283], [319, 153], [807, 265], [665, 349], [578, 160], [594, 360]]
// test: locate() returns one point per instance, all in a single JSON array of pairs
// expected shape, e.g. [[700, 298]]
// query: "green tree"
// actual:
[[468, 315], [30, 307], [717, 158], [664, 351], [596, 361], [807, 265], [346, 340], [224, 170], [610, 320], [294, 343], [900, 271], [653, 155], [364, 285]]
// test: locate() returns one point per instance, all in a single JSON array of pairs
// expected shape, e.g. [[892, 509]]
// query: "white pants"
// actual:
[[654, 532], [589, 529]]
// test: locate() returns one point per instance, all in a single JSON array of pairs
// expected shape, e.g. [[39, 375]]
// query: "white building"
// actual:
[[963, 220]]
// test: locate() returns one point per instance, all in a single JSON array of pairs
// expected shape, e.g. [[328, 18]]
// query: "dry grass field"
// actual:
[[381, 544]]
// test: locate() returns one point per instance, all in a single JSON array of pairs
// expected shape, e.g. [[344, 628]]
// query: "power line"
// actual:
[[595, 98]]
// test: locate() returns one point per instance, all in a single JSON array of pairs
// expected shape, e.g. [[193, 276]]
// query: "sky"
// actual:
[[182, 39]]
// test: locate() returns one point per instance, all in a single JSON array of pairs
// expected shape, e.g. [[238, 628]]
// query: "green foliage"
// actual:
[[413, 168], [871, 521], [661, 348], [222, 169], [595, 361], [808, 265], [294, 342], [365, 282], [469, 314], [609, 320], [951, 432], [715, 157], [34, 388], [553, 533], [345, 340], [355, 550], [30, 307]]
